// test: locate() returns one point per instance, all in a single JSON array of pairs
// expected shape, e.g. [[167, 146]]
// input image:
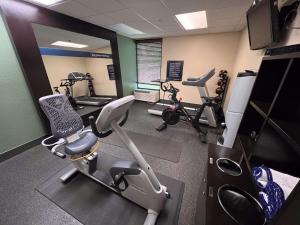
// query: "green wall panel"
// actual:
[[127, 55], [19, 119]]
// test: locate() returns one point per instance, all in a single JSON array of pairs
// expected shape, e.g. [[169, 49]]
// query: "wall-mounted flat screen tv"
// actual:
[[263, 24]]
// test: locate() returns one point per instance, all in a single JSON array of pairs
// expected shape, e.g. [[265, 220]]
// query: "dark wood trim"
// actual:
[[20, 149], [19, 17]]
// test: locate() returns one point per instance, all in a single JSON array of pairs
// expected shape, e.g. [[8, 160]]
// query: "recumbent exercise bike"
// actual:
[[173, 114], [134, 180]]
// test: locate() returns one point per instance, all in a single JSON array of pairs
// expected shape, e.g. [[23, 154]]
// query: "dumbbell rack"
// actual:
[[222, 87]]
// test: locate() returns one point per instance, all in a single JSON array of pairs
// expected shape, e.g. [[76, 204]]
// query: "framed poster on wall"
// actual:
[[174, 70], [111, 72]]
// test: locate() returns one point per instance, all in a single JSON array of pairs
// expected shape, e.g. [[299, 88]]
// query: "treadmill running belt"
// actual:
[[93, 101]]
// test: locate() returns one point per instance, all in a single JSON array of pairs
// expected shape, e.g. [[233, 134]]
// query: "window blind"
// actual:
[[148, 61]]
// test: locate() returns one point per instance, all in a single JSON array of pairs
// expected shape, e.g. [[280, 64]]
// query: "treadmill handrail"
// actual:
[[200, 81], [193, 78]]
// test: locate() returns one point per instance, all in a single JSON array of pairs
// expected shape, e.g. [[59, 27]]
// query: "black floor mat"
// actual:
[[92, 204], [155, 146]]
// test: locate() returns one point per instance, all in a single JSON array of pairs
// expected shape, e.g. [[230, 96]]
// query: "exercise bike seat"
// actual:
[[81, 145]]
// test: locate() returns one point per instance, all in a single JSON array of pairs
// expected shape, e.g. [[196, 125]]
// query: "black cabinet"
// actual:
[[269, 134], [270, 129], [286, 110], [209, 211], [265, 88], [200, 215]]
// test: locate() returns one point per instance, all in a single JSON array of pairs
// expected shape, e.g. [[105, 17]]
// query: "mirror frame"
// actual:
[[19, 17]]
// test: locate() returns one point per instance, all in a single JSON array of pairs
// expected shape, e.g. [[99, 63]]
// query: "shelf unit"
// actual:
[[269, 134], [270, 129]]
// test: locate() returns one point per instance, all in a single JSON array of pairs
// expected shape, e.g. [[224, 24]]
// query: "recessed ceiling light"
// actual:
[[125, 29], [45, 2], [193, 20], [68, 44]]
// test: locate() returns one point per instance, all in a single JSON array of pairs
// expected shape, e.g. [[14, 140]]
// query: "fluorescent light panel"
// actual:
[[45, 2], [193, 20], [68, 44], [125, 29]]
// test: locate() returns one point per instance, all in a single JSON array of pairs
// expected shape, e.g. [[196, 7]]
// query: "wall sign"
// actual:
[[70, 53], [174, 70], [111, 72]]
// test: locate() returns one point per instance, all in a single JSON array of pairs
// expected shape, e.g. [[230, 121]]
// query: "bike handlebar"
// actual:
[[169, 88]]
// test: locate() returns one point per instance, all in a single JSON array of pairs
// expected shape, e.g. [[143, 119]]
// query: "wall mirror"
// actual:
[[68, 56]]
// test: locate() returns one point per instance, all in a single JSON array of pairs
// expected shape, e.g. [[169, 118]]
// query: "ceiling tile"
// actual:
[[144, 26], [133, 3], [101, 20], [225, 13], [184, 6], [144, 36], [157, 17], [243, 20], [239, 27], [151, 9], [73, 9], [124, 16], [223, 22], [221, 29], [220, 4], [172, 29], [102, 6], [165, 21]]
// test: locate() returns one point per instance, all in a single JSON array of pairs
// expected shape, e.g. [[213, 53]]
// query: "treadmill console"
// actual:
[[76, 76]]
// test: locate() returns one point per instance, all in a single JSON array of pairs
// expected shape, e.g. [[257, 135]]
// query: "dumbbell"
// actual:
[[220, 82], [218, 99], [219, 90], [223, 74]]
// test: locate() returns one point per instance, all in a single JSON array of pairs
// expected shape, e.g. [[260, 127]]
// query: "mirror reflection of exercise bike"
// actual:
[[176, 112]]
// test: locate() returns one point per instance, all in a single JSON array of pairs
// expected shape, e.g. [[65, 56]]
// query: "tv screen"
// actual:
[[263, 24]]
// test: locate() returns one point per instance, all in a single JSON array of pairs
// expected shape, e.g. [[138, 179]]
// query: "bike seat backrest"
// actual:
[[200, 81], [64, 121], [113, 111]]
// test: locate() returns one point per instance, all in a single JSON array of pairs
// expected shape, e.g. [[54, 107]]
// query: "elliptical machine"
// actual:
[[173, 114], [134, 180]]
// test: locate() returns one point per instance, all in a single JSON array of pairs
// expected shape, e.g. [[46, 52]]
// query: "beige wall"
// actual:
[[245, 59], [200, 53], [98, 68], [58, 67]]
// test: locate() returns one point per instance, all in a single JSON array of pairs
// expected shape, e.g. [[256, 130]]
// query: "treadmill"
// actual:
[[208, 117], [92, 100]]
